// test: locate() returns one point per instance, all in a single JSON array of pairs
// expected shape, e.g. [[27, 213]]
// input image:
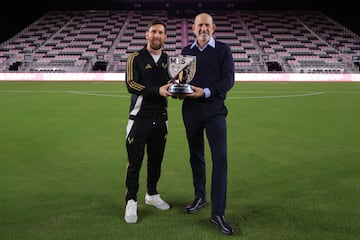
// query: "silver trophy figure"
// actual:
[[182, 70]]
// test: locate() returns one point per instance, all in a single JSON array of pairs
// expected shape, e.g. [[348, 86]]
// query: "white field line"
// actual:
[[258, 94], [278, 96], [97, 94]]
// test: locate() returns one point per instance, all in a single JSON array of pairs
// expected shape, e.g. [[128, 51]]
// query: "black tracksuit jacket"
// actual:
[[143, 78]]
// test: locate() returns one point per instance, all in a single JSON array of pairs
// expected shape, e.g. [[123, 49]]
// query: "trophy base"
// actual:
[[180, 89]]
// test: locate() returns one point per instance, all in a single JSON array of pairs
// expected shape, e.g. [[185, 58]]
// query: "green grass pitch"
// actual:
[[293, 160]]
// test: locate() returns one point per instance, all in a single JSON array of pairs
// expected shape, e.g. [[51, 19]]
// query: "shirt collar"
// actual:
[[211, 43]]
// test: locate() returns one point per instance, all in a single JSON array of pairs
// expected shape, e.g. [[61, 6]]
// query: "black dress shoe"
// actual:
[[223, 226], [195, 205]]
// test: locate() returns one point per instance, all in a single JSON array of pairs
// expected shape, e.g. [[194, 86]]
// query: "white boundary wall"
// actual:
[[241, 77]]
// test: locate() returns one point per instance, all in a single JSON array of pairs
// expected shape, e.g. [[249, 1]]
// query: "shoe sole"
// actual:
[[150, 204]]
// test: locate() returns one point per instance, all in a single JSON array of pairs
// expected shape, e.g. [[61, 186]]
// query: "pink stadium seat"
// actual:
[[303, 41]]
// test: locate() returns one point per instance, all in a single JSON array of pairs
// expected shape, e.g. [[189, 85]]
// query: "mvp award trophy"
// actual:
[[182, 70]]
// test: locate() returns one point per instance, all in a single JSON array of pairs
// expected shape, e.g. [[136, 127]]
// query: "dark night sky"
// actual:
[[14, 18]]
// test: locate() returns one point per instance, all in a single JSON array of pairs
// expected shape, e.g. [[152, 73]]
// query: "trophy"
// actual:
[[182, 70]]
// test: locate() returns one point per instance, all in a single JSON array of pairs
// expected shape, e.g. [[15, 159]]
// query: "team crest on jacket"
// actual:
[[130, 140], [148, 66]]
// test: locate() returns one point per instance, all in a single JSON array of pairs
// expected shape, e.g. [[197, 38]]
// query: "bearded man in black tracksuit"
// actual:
[[147, 82]]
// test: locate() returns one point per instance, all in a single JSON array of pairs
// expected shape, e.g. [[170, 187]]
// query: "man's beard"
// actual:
[[155, 46]]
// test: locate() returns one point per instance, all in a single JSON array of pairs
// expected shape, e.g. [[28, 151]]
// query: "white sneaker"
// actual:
[[156, 201], [131, 212]]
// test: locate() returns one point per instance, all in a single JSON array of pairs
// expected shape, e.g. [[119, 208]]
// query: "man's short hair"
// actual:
[[155, 22]]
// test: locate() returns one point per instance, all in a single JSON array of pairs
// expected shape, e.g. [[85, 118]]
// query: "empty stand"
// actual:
[[261, 41]]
